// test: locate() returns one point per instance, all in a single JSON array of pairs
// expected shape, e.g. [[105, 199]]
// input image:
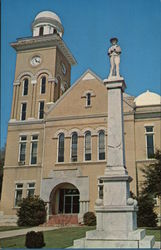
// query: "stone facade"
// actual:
[[66, 110]]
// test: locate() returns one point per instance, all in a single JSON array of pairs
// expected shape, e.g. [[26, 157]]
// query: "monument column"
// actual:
[[115, 211], [115, 146]]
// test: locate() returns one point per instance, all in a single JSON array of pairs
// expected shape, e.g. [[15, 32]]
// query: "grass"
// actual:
[[61, 238], [156, 232]]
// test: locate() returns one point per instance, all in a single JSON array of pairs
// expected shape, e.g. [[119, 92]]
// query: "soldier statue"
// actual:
[[114, 54]]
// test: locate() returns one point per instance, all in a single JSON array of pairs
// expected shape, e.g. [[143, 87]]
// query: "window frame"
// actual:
[[23, 90], [71, 147], [98, 145], [21, 142], [39, 111], [41, 31], [88, 131], [22, 103], [41, 82], [30, 188], [151, 133], [58, 156], [17, 189], [88, 99], [31, 145]]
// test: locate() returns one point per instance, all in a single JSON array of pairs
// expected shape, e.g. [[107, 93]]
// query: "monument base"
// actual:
[[95, 239]]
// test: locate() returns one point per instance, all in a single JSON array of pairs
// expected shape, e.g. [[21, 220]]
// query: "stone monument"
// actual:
[[115, 210]]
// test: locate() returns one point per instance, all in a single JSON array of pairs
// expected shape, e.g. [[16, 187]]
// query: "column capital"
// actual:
[[33, 80], [17, 82], [115, 83], [52, 79]]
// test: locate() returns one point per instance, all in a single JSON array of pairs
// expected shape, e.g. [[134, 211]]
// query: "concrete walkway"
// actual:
[[18, 232]]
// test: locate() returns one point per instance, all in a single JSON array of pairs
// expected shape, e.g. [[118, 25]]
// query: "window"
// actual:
[[61, 148], [88, 146], [41, 31], [23, 111], [149, 141], [41, 109], [18, 194], [43, 85], [30, 189], [74, 147], [101, 145], [88, 99], [34, 144], [22, 149], [25, 86], [54, 31]]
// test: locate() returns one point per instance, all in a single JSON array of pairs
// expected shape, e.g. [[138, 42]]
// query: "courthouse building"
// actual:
[[57, 133]]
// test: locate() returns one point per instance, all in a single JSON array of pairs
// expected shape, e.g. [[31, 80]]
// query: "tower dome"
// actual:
[[147, 98], [46, 23]]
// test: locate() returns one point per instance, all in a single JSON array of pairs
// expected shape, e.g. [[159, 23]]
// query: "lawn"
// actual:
[[61, 238]]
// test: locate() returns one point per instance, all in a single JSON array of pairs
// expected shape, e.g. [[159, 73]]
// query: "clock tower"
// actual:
[[43, 68]]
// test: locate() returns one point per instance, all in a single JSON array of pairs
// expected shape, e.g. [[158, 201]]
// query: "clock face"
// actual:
[[35, 61], [64, 70]]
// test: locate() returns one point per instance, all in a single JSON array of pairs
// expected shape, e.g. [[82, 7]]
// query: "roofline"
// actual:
[[73, 85], [28, 43]]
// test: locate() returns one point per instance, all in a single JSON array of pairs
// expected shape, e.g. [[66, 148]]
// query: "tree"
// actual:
[[151, 188], [2, 159], [32, 212], [146, 217], [152, 175]]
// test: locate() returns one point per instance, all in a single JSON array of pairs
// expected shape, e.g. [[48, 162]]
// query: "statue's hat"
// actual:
[[113, 39]]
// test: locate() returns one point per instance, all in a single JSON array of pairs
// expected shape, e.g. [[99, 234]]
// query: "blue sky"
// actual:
[[88, 25]]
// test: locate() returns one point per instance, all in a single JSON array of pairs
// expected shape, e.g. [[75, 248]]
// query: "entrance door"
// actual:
[[69, 201]]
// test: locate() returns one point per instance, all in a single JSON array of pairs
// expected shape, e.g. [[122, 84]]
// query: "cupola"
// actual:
[[47, 23]]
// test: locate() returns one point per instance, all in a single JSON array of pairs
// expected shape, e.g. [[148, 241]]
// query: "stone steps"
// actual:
[[62, 220]]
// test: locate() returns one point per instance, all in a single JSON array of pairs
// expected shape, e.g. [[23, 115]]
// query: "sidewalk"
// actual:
[[19, 232]]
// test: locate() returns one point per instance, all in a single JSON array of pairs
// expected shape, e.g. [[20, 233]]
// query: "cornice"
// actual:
[[26, 122], [44, 42]]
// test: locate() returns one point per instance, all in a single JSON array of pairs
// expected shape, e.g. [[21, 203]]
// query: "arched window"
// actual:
[[54, 31], [25, 86], [41, 31], [43, 85], [61, 148], [88, 146], [74, 147], [101, 145]]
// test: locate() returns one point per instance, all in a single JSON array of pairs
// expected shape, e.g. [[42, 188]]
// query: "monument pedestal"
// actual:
[[116, 211]]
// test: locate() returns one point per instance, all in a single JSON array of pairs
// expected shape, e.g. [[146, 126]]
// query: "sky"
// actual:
[[88, 27]]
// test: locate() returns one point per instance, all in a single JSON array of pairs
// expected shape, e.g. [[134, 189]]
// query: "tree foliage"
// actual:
[[152, 175], [34, 240], [146, 217], [151, 188], [32, 212], [2, 159]]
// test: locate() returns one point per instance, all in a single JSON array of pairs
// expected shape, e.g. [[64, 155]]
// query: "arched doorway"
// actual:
[[64, 199]]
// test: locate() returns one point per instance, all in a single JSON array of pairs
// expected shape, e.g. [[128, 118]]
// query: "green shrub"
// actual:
[[34, 240], [32, 212], [89, 219], [146, 216]]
